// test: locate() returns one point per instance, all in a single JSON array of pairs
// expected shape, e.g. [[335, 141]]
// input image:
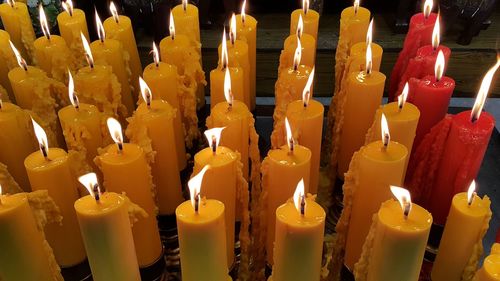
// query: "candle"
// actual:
[[164, 81], [246, 26], [105, 227], [51, 52], [17, 22], [281, 170], [10, 62], [71, 23], [490, 271], [466, 225], [310, 18], [363, 94], [110, 52], [152, 128], [306, 116], [16, 141], [120, 28], [419, 34], [202, 236], [395, 246], [81, 124], [177, 50], [289, 87], [23, 245], [457, 144], [298, 248], [51, 169], [97, 85], [374, 167], [308, 44], [125, 169], [218, 75], [222, 182]]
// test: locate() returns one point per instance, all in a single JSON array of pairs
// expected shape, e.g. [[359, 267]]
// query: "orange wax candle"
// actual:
[[308, 45], [490, 271], [310, 18], [17, 22], [357, 60], [246, 26], [72, 23], [9, 61]]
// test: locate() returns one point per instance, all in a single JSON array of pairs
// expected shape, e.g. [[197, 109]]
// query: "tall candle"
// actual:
[[246, 26], [310, 18], [105, 227], [71, 23], [490, 271], [308, 44], [10, 62], [17, 22], [51, 169]]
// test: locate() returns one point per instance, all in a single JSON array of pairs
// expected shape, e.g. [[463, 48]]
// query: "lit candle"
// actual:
[[357, 61], [152, 128], [461, 243], [310, 17], [395, 247], [202, 236], [125, 169], [9, 62], [17, 22], [72, 23], [490, 271], [246, 26], [105, 227], [307, 42], [281, 170], [51, 169], [300, 225]]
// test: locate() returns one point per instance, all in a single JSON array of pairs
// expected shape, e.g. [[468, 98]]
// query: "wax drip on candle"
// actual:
[[297, 56], [483, 92], [100, 28], [224, 56], [156, 55], [404, 95], [306, 93], [300, 27], [305, 6], [228, 94], [232, 29], [171, 26], [43, 22], [115, 130], [213, 137], [289, 136], [299, 198], [145, 92], [439, 66], [20, 61], [243, 15], [41, 136], [436, 34], [471, 192], [88, 52], [384, 127], [427, 8], [356, 6], [114, 12], [90, 182], [404, 198], [73, 98], [194, 185], [68, 7], [184, 5]]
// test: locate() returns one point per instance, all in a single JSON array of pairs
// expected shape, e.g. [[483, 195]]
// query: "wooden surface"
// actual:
[[467, 64]]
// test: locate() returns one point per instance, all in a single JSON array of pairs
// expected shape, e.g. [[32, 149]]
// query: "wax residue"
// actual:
[[362, 266], [126, 60], [284, 94], [243, 197], [63, 61], [75, 136], [27, 34], [371, 133], [77, 49], [9, 185], [135, 212]]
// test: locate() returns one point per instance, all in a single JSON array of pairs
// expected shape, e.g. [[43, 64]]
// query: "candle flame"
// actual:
[[0, 189], [100, 29], [20, 61], [369, 33], [307, 93], [91, 184], [68, 7], [115, 130], [88, 52], [369, 62], [114, 12], [73, 98], [43, 22], [384, 128], [289, 135], [184, 5], [227, 88], [41, 136], [483, 92], [404, 198], [232, 29], [156, 54], [436, 34], [224, 57], [470, 192], [404, 95], [305, 6], [298, 55], [213, 137], [194, 185], [11, 3], [300, 27], [299, 197], [147, 96], [356, 6], [243, 8], [171, 26], [439, 66], [428, 8]]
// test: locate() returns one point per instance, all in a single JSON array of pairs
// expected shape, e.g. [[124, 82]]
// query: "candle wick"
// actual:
[[291, 146], [469, 202], [303, 205], [214, 145], [44, 152], [120, 147], [196, 203]]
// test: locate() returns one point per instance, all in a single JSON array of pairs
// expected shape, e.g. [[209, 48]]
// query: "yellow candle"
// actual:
[[395, 246], [17, 141], [17, 22], [202, 236], [357, 60], [71, 24], [23, 244], [105, 227], [490, 271], [308, 45], [310, 18], [461, 243], [164, 82], [300, 226], [246, 26], [9, 62], [120, 28], [152, 127], [125, 169], [306, 117], [51, 169]]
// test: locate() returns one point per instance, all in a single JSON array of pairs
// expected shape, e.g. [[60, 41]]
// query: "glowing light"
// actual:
[[88, 52], [114, 12], [243, 8], [68, 7], [404, 96], [11, 3], [436, 34], [384, 128], [41, 136], [73, 98], [483, 92], [369, 33], [228, 94], [307, 92], [20, 61], [91, 184], [300, 27], [184, 5], [470, 192], [369, 62], [194, 185], [156, 55], [171, 26], [305, 6], [100, 29], [356, 6], [439, 66], [289, 136], [115, 130], [299, 197], [232, 29], [428, 8], [404, 198], [224, 57], [43, 22], [213, 137], [297, 56], [147, 96]]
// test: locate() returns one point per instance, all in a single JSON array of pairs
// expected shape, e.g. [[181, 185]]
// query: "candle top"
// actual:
[[130, 153], [11, 202], [108, 203], [298, 111], [209, 211], [85, 112], [408, 112], [349, 14], [66, 19], [394, 152], [238, 111], [301, 155], [314, 214], [309, 16], [156, 109], [36, 160], [491, 265], [223, 156], [479, 207], [391, 215], [112, 26]]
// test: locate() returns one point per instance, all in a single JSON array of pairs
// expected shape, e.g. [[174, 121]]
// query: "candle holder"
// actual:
[[79, 272], [157, 271]]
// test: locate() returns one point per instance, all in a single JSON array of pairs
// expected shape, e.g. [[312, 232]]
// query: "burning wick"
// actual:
[[402, 98], [92, 185], [386, 137], [427, 8], [404, 198], [73, 98], [471, 192], [184, 5], [156, 55], [305, 6], [232, 29], [114, 12], [356, 6], [115, 130], [243, 15], [213, 137], [299, 198], [289, 136], [194, 185], [42, 139], [171, 26], [20, 60]]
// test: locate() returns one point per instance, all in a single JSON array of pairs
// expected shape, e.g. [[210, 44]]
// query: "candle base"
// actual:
[[157, 271], [431, 249], [79, 272]]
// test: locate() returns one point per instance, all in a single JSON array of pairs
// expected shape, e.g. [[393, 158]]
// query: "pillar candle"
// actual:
[[17, 22], [154, 121], [9, 62], [246, 26], [105, 227], [72, 23], [490, 271], [310, 18], [357, 59], [164, 81], [298, 249], [308, 44], [466, 225], [120, 28], [202, 236], [125, 169], [395, 246], [17, 141], [51, 169]]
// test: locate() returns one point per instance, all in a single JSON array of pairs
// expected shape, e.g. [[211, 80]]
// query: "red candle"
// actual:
[[419, 34]]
